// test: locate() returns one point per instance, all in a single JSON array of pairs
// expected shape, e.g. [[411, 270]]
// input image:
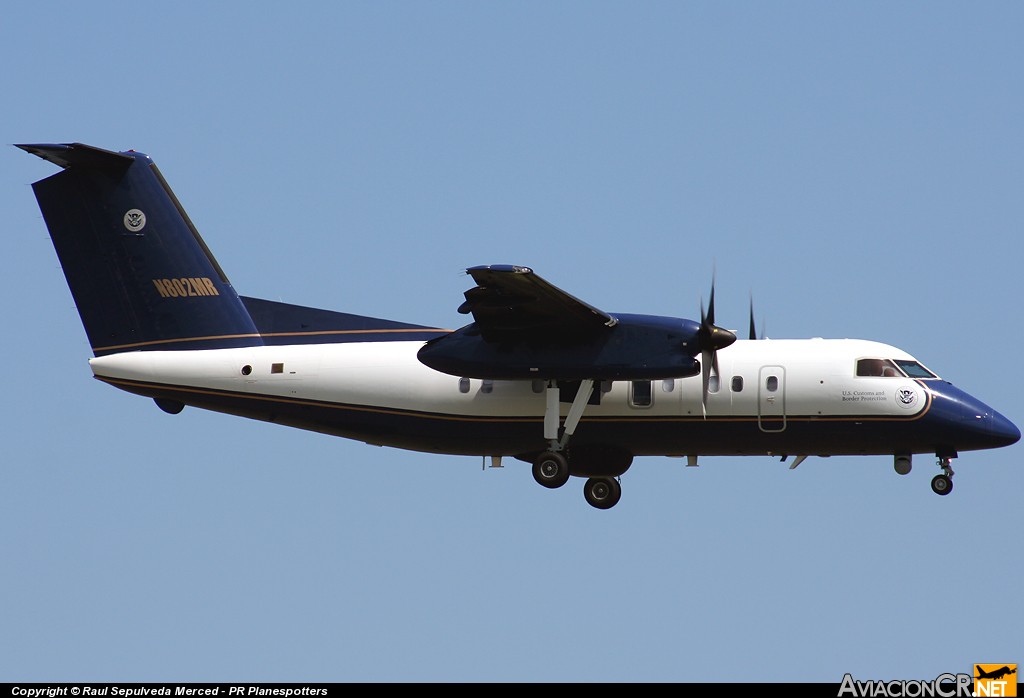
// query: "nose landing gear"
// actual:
[[943, 484]]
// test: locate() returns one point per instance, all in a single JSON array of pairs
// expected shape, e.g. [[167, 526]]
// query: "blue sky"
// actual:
[[855, 166]]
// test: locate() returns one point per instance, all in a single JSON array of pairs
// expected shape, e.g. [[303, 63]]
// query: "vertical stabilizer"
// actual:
[[141, 275]]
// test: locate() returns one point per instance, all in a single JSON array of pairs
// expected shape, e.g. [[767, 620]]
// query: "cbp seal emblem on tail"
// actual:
[[135, 220]]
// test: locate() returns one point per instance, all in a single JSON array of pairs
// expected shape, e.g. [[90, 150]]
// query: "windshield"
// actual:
[[914, 369], [888, 368]]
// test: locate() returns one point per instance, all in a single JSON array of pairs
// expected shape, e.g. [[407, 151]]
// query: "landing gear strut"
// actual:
[[551, 467], [943, 484]]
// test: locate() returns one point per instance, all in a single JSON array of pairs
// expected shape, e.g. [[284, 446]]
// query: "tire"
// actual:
[[942, 485], [602, 492], [551, 470]]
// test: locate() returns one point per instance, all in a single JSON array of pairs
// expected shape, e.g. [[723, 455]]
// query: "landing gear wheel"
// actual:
[[942, 484], [602, 492], [551, 469]]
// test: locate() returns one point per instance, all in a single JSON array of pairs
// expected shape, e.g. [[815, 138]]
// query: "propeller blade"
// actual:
[[711, 303], [753, 329], [705, 376], [711, 339]]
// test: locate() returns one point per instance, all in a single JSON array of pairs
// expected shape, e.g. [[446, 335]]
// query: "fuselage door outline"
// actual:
[[771, 399]]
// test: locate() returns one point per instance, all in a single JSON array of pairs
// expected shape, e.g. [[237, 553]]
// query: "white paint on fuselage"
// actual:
[[816, 378]]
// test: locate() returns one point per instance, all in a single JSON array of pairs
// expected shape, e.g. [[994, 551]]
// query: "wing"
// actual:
[[525, 328], [513, 303]]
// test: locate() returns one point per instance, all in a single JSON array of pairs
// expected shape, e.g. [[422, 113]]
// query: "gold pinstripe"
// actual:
[[501, 419], [155, 342]]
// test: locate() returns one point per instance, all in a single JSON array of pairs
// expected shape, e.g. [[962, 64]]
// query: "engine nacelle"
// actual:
[[637, 347]]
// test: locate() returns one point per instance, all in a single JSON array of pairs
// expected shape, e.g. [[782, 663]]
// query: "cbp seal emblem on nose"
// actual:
[[135, 220], [907, 397]]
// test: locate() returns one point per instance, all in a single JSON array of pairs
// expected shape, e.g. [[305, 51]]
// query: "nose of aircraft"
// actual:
[[1004, 432], [994, 428], [970, 423]]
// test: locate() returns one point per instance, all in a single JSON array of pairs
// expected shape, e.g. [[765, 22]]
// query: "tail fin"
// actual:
[[141, 276]]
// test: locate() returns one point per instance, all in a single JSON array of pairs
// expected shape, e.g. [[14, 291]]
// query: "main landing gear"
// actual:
[[551, 468], [943, 484], [602, 492]]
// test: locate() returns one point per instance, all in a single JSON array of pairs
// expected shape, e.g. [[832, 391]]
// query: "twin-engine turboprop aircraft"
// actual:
[[538, 375]]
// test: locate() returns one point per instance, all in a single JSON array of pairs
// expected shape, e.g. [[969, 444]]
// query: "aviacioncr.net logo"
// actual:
[[943, 686], [995, 680]]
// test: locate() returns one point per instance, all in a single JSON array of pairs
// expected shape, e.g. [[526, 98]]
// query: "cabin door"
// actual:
[[771, 398]]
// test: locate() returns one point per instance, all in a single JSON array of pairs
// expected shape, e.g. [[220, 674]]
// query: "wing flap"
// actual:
[[511, 303]]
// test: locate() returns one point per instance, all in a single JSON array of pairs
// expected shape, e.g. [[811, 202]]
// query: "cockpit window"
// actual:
[[914, 369], [888, 368], [878, 367]]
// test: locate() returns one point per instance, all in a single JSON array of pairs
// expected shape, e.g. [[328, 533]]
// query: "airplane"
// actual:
[[538, 375], [996, 674]]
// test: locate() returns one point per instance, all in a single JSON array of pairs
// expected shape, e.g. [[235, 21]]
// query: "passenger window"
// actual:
[[537, 386], [641, 394], [737, 384], [772, 384], [463, 385], [486, 386], [713, 383], [668, 385]]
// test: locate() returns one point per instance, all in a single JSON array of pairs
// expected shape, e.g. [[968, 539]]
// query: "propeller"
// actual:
[[710, 338]]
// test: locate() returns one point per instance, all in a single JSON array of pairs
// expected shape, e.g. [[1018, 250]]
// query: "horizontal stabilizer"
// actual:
[[70, 154]]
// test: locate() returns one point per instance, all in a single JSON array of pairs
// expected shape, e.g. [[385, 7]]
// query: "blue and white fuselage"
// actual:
[[776, 397], [538, 374]]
